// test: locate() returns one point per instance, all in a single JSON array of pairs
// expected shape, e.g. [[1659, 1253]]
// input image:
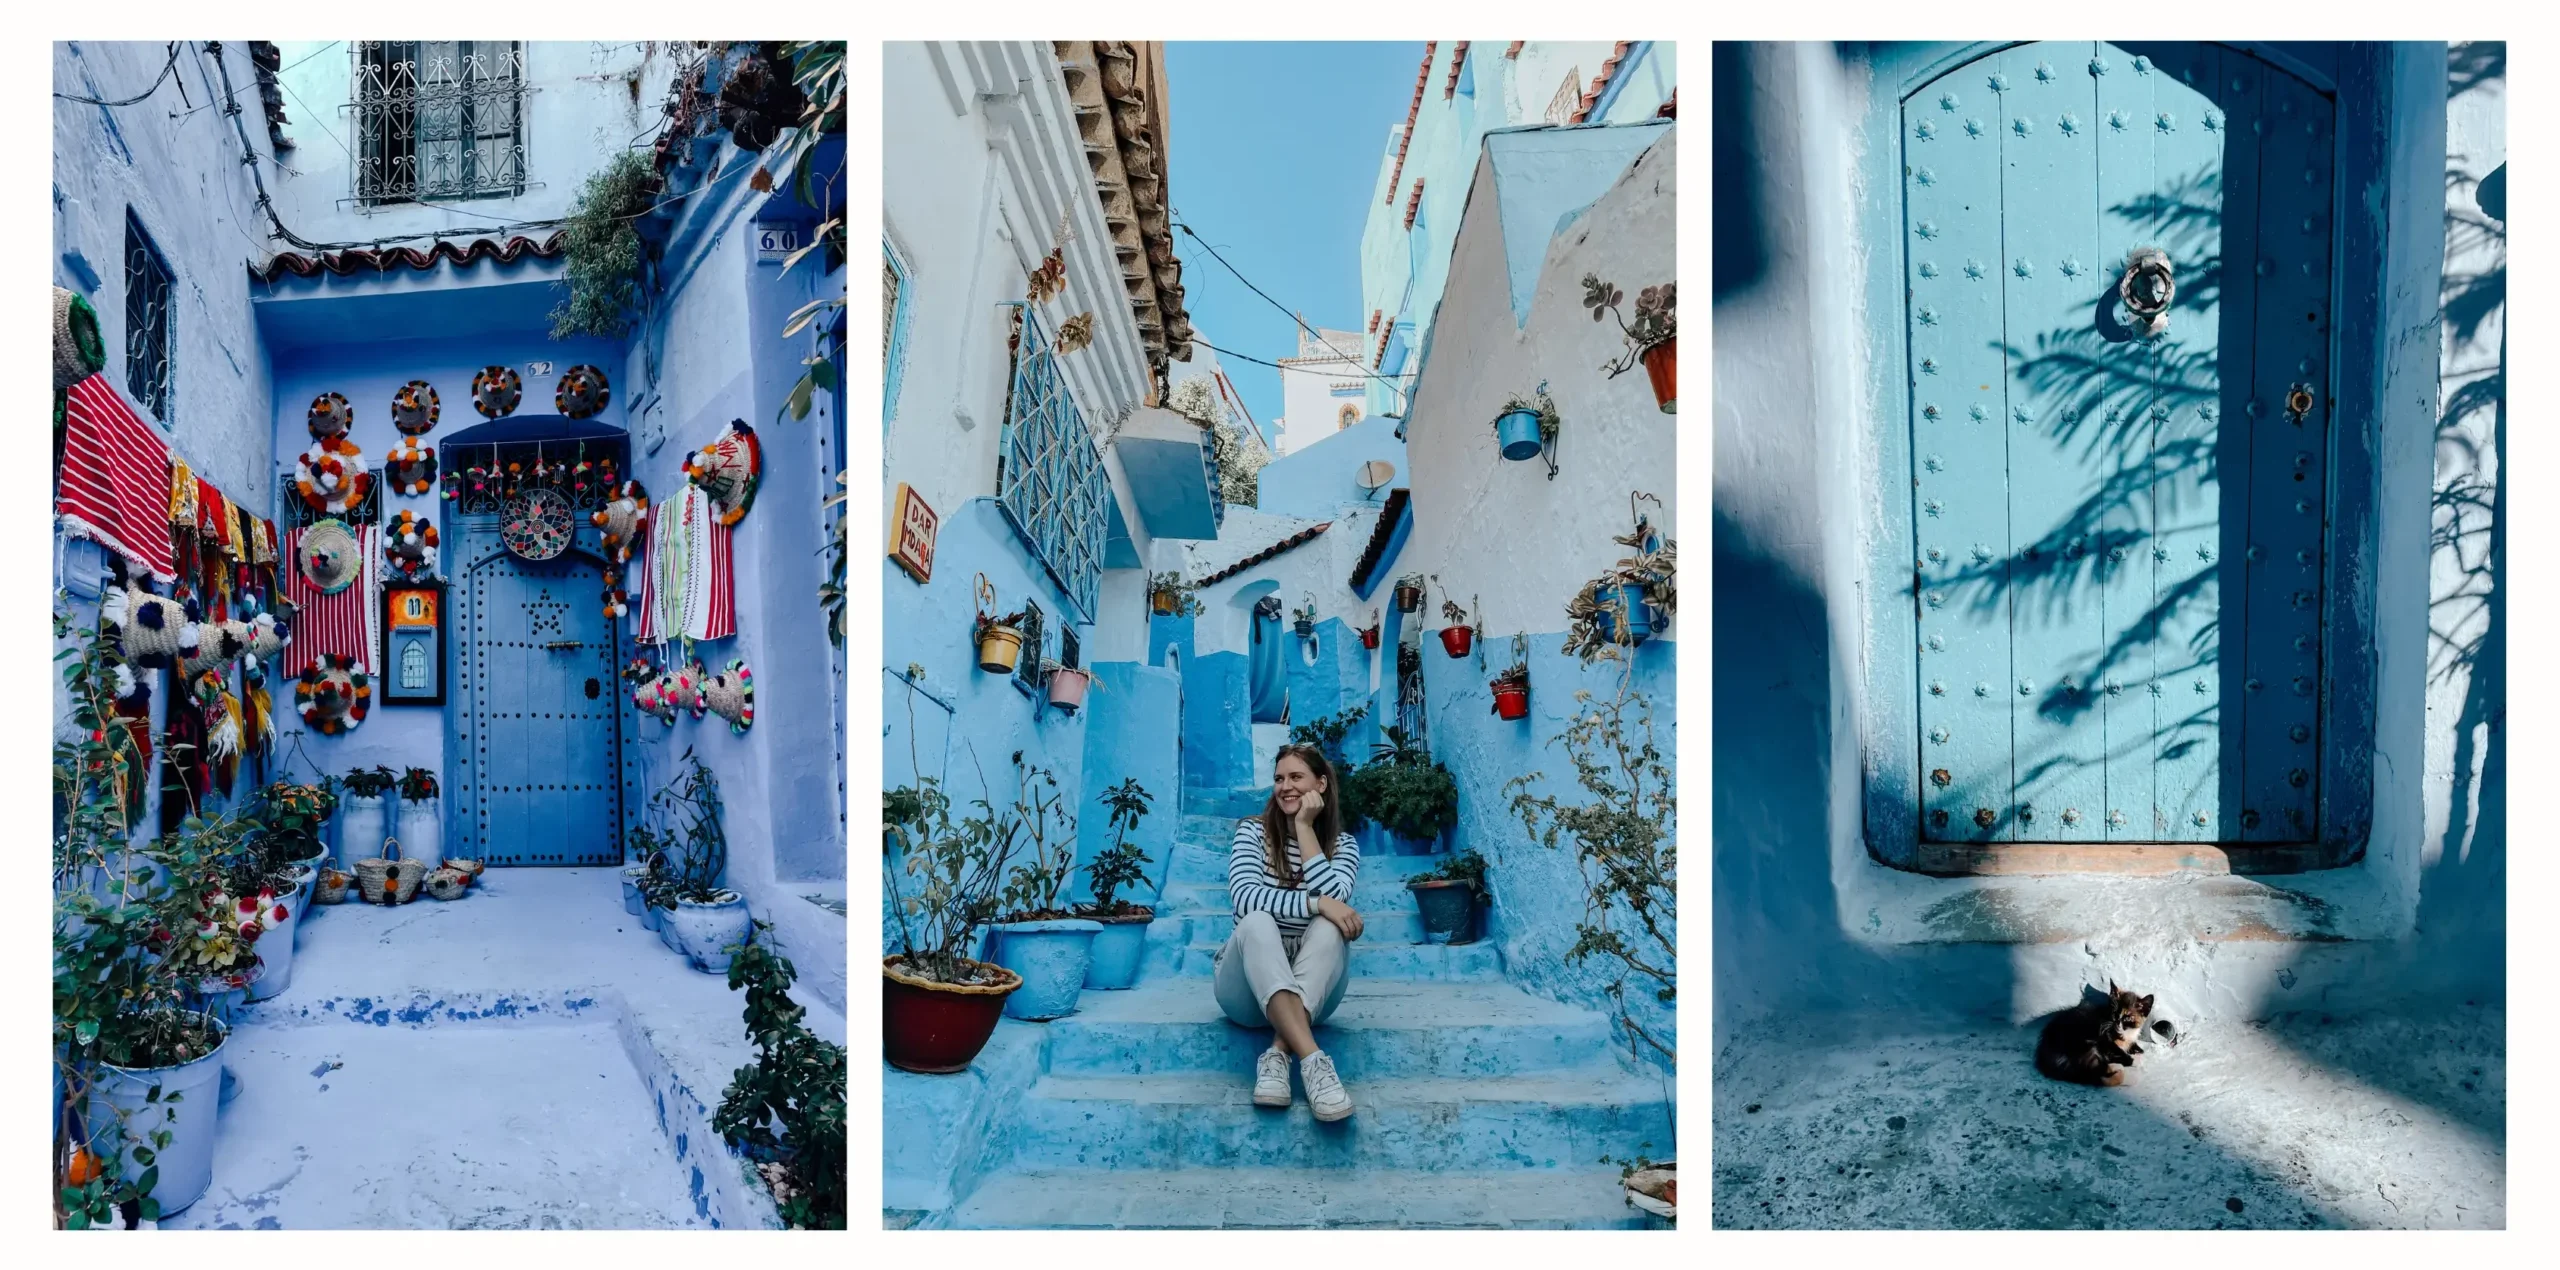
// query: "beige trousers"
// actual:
[[1259, 960]]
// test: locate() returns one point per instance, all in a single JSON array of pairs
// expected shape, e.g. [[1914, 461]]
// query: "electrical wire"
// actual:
[[165, 71], [1293, 314]]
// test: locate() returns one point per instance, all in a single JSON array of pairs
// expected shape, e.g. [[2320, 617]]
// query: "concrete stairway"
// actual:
[[1479, 1105]]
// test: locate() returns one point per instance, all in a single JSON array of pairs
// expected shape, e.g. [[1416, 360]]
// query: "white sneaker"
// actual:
[[1325, 1094], [1271, 1078]]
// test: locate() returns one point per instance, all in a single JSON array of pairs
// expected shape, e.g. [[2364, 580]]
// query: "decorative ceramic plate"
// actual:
[[414, 408], [330, 416], [583, 392], [537, 525], [496, 391]]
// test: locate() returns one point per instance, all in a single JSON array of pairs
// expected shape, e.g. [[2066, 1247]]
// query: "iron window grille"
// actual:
[[438, 119], [294, 513], [1026, 668], [149, 291], [1049, 476]]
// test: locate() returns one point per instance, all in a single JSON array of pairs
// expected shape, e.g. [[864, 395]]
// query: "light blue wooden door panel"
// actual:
[[2097, 514], [543, 769], [1959, 408]]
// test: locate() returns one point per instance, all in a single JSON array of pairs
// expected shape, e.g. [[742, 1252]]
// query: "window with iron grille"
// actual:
[[1049, 479], [438, 119], [1026, 668], [148, 292]]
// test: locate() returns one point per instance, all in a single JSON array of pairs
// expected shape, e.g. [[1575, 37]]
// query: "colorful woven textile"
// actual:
[[688, 585], [115, 479], [342, 624]]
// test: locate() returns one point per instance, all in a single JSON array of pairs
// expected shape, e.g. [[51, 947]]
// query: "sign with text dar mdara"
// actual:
[[912, 527]]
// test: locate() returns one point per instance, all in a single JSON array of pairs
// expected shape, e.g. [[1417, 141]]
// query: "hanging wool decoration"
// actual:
[[333, 695], [217, 645], [151, 624], [78, 351], [731, 694], [410, 467], [331, 477], [330, 416], [583, 392], [268, 634], [728, 470], [624, 517], [495, 391], [409, 548], [617, 602], [669, 692], [414, 408]]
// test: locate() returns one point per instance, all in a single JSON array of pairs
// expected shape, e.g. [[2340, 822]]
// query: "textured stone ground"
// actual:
[[2303, 1121]]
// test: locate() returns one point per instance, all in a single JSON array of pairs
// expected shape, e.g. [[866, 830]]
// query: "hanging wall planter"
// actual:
[[1067, 686], [1629, 601], [999, 638], [1660, 363], [1527, 426], [1459, 636], [1369, 635], [1651, 337], [1511, 693], [1409, 595]]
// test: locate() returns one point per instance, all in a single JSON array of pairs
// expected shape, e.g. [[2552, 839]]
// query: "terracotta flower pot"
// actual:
[[1511, 701], [999, 649], [1067, 687], [938, 1027], [1164, 603], [1369, 638], [1408, 598], [1661, 366], [1458, 639]]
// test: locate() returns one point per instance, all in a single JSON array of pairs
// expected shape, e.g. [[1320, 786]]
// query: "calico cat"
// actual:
[[2094, 1043]]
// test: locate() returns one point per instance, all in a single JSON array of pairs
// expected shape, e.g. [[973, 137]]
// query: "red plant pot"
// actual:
[[1661, 366], [937, 1027], [1457, 639], [1511, 701], [1369, 638]]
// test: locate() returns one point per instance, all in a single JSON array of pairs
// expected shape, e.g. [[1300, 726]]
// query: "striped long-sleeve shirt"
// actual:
[[1254, 890]]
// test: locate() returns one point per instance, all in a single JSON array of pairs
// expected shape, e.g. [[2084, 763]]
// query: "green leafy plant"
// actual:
[[417, 785], [786, 1110], [1465, 866], [1622, 839], [817, 71], [1185, 597], [1123, 863], [695, 870], [1656, 318], [370, 782], [831, 593], [1326, 732], [1239, 465], [1653, 570], [958, 868], [294, 816], [1550, 422], [1039, 821], [1403, 789], [601, 250]]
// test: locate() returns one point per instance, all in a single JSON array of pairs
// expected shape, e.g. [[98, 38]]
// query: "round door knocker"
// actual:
[[2297, 404], [2148, 287]]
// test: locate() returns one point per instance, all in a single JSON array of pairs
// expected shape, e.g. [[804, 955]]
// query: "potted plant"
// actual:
[[938, 1005], [1621, 608], [698, 916], [998, 637], [1169, 596], [365, 822], [1409, 593], [1448, 896], [1511, 692], [786, 1110], [1403, 791], [1122, 943], [1303, 619], [1526, 425], [1457, 638], [644, 847], [1369, 634], [1326, 732], [1038, 939], [421, 819], [1067, 684], [1651, 338]]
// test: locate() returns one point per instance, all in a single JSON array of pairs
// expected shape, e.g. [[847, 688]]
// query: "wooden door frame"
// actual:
[[2362, 86]]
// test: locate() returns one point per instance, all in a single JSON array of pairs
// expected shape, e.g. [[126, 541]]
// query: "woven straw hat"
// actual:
[[728, 470], [496, 390], [731, 694], [329, 557], [583, 392], [153, 626], [332, 695], [330, 416], [414, 408]]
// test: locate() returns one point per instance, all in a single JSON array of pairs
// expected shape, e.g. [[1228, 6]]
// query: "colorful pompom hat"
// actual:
[[333, 695], [330, 416], [731, 694], [410, 467], [414, 409], [496, 391], [328, 557], [728, 469], [583, 392]]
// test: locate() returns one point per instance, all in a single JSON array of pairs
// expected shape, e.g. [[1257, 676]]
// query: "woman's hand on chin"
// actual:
[[1309, 804]]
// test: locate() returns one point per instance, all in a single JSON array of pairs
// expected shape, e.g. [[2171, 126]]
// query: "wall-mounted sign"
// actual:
[[413, 644], [537, 368], [911, 533], [775, 243]]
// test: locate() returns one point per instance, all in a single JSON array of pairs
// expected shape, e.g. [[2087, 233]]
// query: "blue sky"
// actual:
[[1275, 152]]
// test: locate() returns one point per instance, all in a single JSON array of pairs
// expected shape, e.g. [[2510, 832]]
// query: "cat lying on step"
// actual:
[[2096, 1041]]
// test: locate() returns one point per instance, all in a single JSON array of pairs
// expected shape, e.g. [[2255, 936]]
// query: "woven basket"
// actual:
[[397, 878], [331, 888], [448, 884], [469, 868], [78, 352]]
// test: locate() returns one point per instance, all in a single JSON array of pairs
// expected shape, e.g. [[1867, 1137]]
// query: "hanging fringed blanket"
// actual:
[[114, 487], [333, 591]]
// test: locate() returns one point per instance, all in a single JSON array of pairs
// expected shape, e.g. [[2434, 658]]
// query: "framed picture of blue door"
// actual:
[[413, 653], [2116, 301]]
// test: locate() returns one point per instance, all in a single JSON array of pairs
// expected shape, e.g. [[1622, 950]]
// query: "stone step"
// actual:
[[1391, 919], [1208, 1120], [1379, 891], [1196, 864], [1301, 1199], [1383, 1028], [1431, 963]]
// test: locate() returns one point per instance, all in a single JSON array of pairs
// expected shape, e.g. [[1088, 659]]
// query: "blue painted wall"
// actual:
[[1125, 739], [1320, 479]]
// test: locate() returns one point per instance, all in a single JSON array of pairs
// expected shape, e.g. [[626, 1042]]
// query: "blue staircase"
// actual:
[[1479, 1105]]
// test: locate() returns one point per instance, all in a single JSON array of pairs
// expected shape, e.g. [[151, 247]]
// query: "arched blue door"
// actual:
[[538, 715]]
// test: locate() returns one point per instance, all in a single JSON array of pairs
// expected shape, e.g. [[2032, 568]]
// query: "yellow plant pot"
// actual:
[[999, 649]]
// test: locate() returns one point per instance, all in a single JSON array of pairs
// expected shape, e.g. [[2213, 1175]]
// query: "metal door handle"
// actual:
[[2149, 284], [559, 644]]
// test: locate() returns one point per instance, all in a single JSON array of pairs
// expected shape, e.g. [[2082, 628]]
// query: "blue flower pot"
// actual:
[[1518, 431], [1052, 958], [1116, 954], [1639, 618]]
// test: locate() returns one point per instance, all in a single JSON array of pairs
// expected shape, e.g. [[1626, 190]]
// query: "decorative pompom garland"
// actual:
[[617, 602], [495, 391], [414, 408], [671, 690], [731, 694], [333, 695], [268, 634], [728, 470], [330, 476], [410, 467], [583, 392], [409, 548], [330, 416], [218, 644]]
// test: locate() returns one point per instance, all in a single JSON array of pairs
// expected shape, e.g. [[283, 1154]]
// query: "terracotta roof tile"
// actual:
[[1298, 539], [1457, 62], [1600, 82], [1390, 514], [343, 263], [1421, 80]]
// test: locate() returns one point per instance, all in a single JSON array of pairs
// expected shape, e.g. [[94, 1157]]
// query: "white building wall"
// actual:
[[1310, 410]]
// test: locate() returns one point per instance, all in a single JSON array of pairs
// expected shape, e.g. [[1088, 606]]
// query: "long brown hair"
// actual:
[[1277, 829]]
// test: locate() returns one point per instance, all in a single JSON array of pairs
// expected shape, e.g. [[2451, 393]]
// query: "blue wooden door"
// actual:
[[2119, 531], [538, 713]]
